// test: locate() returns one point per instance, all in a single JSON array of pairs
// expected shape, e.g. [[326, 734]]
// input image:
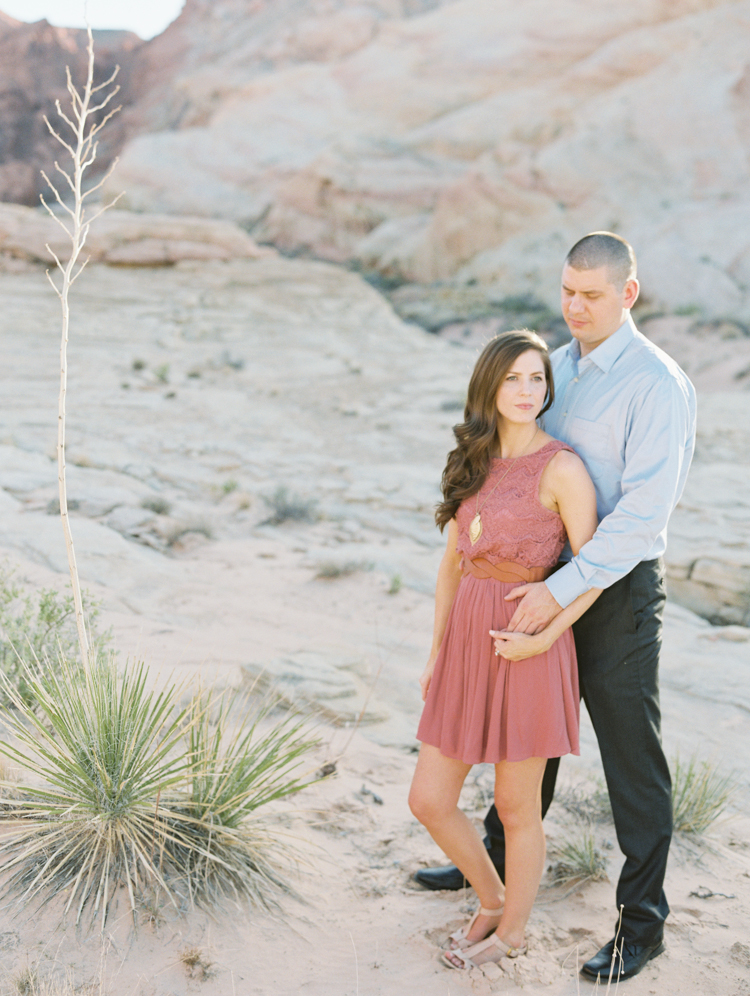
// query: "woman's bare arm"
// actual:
[[449, 576]]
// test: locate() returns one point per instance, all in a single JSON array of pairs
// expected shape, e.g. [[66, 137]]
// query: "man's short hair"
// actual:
[[604, 249]]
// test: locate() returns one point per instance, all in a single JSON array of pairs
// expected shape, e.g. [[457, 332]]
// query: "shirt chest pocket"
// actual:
[[591, 440]]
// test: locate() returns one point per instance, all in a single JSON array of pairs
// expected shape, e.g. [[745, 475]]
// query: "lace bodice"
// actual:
[[516, 527]]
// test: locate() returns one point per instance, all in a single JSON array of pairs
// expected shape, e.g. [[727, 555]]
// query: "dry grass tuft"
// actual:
[[328, 570], [579, 860], [157, 504], [700, 795], [289, 507], [196, 964]]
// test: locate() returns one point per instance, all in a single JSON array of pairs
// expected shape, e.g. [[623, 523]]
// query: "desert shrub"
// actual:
[[181, 529], [157, 504], [591, 805], [39, 626], [328, 570], [699, 795], [126, 789], [287, 506], [578, 859]]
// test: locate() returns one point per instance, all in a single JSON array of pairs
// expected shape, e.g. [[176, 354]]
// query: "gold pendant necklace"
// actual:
[[475, 528]]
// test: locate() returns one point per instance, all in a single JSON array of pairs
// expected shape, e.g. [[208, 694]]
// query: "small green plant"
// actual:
[[699, 795], [585, 803], [579, 860], [196, 963], [138, 365], [39, 626], [157, 504], [162, 373], [25, 983], [181, 529], [396, 585], [229, 486], [330, 569], [287, 506]]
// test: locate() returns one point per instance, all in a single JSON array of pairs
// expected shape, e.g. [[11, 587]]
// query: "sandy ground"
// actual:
[[363, 927], [272, 380]]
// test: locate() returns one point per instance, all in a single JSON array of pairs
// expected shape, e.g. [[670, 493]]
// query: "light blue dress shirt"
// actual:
[[628, 411]]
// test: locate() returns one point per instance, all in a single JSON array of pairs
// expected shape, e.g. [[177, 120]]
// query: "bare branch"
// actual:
[[61, 113], [74, 95], [65, 175], [110, 96], [80, 271], [97, 128], [59, 138], [54, 285], [106, 83], [103, 180], [59, 200], [106, 207], [53, 254]]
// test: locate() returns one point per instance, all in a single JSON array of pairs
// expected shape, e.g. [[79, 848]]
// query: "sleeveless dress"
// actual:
[[483, 708]]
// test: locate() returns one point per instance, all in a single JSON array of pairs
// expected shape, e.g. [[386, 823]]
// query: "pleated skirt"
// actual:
[[483, 708]]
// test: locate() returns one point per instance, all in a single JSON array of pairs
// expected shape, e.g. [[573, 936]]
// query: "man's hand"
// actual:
[[535, 611]]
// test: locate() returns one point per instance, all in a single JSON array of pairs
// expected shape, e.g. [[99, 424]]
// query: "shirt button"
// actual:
[[575, 380]]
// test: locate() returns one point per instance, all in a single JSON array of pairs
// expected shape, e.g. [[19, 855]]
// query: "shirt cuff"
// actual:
[[566, 585]]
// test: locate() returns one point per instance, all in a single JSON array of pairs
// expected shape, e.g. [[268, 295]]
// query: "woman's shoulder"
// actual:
[[551, 447], [565, 465]]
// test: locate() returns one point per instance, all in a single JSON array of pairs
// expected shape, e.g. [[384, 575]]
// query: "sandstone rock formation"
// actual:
[[461, 140], [472, 141], [123, 238]]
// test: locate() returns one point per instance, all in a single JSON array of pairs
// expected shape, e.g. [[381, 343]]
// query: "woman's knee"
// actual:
[[517, 813], [428, 807]]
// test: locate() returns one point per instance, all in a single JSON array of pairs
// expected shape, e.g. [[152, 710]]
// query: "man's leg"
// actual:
[[449, 877], [618, 642]]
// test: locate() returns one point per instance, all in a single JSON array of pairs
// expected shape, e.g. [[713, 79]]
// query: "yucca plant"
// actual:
[[234, 770], [127, 788], [101, 750], [699, 795]]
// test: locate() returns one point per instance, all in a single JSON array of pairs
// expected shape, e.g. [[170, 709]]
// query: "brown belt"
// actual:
[[481, 568]]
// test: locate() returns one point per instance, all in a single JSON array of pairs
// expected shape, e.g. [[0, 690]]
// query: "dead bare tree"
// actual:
[[87, 117]]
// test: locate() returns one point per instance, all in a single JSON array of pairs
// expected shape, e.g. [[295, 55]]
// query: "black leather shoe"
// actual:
[[449, 877], [629, 960], [441, 878]]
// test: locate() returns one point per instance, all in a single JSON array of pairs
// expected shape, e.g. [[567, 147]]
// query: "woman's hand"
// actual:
[[519, 646], [426, 678]]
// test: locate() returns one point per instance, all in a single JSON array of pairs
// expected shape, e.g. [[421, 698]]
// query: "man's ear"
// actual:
[[630, 293]]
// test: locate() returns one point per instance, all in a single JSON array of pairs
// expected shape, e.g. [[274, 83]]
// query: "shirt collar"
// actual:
[[604, 355]]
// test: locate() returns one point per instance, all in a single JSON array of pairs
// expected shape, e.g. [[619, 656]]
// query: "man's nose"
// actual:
[[576, 304]]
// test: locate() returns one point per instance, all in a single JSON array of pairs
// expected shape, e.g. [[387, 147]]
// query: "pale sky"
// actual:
[[146, 17]]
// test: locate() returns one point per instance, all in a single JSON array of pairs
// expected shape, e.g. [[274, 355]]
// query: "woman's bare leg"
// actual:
[[518, 786], [433, 799]]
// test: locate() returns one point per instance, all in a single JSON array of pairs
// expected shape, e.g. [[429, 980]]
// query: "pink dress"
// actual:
[[483, 708]]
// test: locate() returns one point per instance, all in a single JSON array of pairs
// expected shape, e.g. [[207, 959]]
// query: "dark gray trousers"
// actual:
[[618, 643]]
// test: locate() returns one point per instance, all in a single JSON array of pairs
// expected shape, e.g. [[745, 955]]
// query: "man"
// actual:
[[629, 412]]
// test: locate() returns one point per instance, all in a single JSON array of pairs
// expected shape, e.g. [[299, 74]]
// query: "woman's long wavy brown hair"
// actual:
[[477, 438]]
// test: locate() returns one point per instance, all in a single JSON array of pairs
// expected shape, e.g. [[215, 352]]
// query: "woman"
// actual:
[[511, 494]]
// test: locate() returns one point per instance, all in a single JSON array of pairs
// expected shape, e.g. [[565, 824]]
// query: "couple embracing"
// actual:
[[551, 588]]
